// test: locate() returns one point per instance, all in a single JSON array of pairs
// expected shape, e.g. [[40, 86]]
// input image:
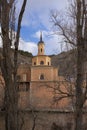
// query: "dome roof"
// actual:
[[40, 42]]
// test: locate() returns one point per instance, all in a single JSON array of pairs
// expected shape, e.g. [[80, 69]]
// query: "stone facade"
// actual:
[[45, 120], [37, 82], [38, 86]]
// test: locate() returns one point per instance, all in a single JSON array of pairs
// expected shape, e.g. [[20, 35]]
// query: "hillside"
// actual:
[[65, 61], [23, 56]]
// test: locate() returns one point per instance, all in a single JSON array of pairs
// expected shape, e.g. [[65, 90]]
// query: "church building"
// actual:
[[39, 82]]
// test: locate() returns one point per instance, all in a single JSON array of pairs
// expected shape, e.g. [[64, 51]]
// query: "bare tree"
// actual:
[[74, 32], [64, 90], [9, 69], [34, 120], [21, 121]]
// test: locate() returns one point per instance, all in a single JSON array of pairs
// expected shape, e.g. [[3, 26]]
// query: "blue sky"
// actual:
[[37, 18]]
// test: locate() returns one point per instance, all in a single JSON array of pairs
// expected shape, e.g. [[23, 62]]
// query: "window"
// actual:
[[48, 63], [41, 49], [41, 77], [41, 62], [34, 63], [22, 87]]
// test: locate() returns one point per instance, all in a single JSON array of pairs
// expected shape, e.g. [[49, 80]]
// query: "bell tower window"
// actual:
[[41, 49], [41, 62], [41, 77]]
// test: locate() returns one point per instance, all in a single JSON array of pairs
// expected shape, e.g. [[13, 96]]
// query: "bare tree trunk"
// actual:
[[10, 91], [79, 94], [80, 97], [11, 97], [76, 36]]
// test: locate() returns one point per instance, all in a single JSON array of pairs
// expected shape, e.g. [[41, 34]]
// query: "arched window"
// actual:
[[41, 62], [41, 49], [41, 77]]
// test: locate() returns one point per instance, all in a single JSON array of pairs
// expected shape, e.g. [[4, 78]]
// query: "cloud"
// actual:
[[37, 11], [52, 42], [44, 34], [28, 46], [41, 9], [40, 5], [36, 15], [52, 45], [23, 45]]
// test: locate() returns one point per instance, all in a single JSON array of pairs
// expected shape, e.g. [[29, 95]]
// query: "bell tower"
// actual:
[[41, 46], [41, 59]]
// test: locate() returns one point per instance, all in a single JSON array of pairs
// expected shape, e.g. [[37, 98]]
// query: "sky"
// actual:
[[36, 19]]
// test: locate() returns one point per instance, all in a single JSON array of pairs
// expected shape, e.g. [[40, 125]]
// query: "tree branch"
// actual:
[[18, 36]]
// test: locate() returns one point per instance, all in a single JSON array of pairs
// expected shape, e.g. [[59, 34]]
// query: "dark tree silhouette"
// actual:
[[9, 69]]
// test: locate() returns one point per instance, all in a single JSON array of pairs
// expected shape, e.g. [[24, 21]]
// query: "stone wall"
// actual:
[[50, 74], [44, 120], [42, 95]]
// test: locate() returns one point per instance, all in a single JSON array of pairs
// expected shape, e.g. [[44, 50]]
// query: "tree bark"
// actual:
[[80, 70], [8, 70]]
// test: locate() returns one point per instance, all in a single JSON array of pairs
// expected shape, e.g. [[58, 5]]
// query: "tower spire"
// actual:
[[40, 45], [41, 36]]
